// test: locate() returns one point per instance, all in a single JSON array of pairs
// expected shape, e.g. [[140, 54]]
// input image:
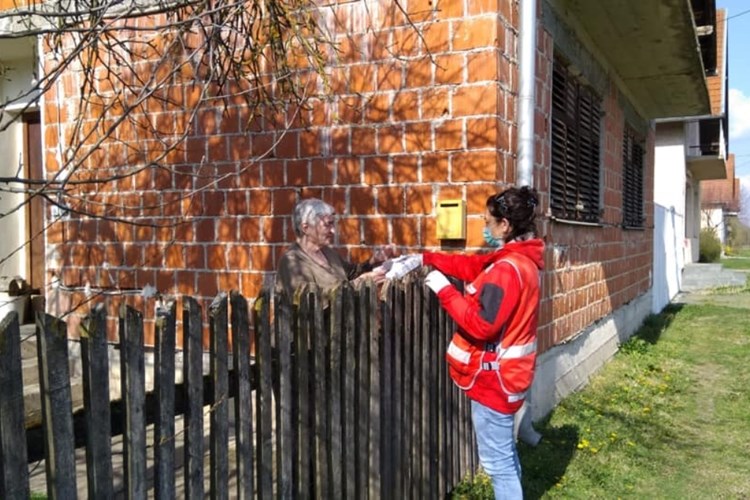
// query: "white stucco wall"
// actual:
[[670, 188], [713, 218], [13, 224], [17, 64]]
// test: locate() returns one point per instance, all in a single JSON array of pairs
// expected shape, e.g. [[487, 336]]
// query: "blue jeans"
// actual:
[[497, 450]]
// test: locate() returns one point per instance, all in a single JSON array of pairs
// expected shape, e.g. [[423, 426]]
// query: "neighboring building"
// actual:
[[720, 201], [22, 244], [689, 150], [410, 121]]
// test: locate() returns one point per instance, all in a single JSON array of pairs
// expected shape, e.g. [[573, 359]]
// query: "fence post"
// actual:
[[134, 398], [95, 361], [14, 481], [192, 322], [304, 391], [263, 393], [284, 424], [164, 435], [220, 405], [374, 479], [349, 338], [243, 408], [321, 418]]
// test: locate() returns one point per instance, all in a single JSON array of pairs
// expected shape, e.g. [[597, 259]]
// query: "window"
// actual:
[[632, 179], [576, 124]]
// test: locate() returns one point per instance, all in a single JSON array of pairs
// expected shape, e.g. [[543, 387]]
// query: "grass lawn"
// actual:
[[668, 417], [736, 263]]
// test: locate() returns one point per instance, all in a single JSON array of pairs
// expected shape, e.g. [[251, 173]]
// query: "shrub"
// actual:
[[710, 246]]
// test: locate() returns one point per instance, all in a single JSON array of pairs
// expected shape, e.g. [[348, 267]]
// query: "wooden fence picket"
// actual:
[[57, 409], [351, 399], [95, 362], [192, 321], [164, 389], [243, 408], [133, 380], [219, 417], [14, 481]]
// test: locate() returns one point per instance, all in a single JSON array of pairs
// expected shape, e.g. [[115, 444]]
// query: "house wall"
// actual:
[[17, 74], [397, 135], [670, 180]]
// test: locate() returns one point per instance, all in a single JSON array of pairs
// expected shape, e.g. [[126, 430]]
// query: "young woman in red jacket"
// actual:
[[492, 354]]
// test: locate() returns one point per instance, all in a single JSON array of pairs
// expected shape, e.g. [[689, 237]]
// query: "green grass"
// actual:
[[667, 418], [736, 263]]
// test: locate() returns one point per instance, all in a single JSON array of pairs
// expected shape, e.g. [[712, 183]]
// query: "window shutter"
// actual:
[[576, 122], [632, 180]]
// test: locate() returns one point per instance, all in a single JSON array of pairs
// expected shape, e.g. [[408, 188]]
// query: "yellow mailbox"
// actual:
[[451, 220]]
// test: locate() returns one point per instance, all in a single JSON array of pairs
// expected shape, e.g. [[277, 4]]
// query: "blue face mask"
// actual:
[[491, 240]]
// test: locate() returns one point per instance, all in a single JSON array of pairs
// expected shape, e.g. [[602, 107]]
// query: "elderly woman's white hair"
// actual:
[[309, 211]]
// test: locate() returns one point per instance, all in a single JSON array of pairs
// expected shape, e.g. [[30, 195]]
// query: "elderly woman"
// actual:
[[311, 260]]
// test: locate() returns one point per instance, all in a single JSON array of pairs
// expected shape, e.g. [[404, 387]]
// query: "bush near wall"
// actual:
[[710, 246]]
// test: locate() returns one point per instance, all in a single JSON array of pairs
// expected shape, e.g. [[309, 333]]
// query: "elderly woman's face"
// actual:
[[321, 233]]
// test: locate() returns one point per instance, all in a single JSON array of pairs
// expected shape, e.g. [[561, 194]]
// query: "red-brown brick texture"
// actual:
[[409, 117], [404, 120]]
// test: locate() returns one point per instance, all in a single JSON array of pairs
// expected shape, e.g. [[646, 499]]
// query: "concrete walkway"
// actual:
[[698, 277]]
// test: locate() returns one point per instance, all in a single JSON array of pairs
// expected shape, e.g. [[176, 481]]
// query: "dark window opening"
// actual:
[[576, 129], [632, 180]]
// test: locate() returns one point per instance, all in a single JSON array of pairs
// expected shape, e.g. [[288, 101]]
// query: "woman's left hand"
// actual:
[[376, 275]]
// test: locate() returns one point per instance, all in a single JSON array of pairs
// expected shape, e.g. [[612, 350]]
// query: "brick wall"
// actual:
[[591, 270], [403, 128], [411, 120]]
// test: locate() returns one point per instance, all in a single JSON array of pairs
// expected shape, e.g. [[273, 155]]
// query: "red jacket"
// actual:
[[492, 354]]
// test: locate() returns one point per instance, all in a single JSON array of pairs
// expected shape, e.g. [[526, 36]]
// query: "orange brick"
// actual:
[[376, 170], [474, 229], [474, 166], [419, 200], [405, 168], [390, 200], [449, 135], [362, 201], [482, 66], [226, 229], [449, 9], [273, 173], [340, 141], [405, 42], [436, 37], [435, 167], [376, 231], [481, 133], [390, 140], [350, 110], [475, 100], [389, 76], [174, 256], [361, 78], [260, 202], [348, 230], [377, 108], [406, 106], [363, 140], [309, 143], [428, 231], [349, 171], [420, 10], [321, 172], [195, 257], [405, 231], [239, 257], [418, 137], [419, 73], [435, 103], [474, 33], [207, 284], [262, 257], [215, 257], [273, 229], [476, 197], [284, 201]]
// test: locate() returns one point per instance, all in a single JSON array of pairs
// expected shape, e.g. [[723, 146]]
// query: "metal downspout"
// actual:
[[525, 151], [526, 92]]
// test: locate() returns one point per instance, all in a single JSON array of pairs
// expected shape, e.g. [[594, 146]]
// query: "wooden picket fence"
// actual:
[[346, 396]]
